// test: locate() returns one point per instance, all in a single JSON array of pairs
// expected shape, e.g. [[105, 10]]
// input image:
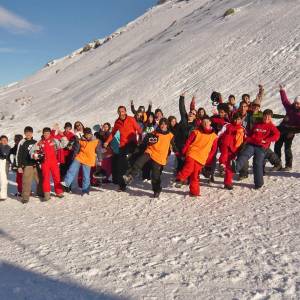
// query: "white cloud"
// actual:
[[15, 23]]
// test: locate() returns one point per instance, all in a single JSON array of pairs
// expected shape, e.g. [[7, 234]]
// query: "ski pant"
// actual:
[[244, 171], [226, 159], [258, 162], [146, 171], [285, 139], [272, 157], [124, 158], [191, 169], [107, 166], [114, 168], [73, 171], [31, 173], [156, 170], [4, 166], [50, 167], [19, 181]]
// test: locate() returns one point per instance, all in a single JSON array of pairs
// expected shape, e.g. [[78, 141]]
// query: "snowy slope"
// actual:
[[242, 244]]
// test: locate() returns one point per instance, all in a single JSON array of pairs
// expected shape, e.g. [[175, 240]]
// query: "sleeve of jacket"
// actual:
[[182, 109], [133, 110], [212, 153], [137, 127], [149, 109], [284, 99], [188, 142], [274, 135], [193, 104], [20, 155], [99, 151]]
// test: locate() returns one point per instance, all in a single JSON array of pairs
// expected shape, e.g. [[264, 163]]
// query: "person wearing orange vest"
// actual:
[[199, 150], [157, 150], [231, 139], [130, 132], [88, 152]]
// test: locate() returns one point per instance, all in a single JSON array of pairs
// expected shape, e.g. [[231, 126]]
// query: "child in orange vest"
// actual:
[[230, 143], [87, 154], [157, 150], [199, 150]]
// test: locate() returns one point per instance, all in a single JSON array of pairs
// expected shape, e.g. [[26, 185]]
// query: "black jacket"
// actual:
[[184, 128], [23, 155], [4, 151]]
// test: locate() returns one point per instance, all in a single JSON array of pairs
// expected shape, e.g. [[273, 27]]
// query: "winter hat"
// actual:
[[87, 130], [297, 99]]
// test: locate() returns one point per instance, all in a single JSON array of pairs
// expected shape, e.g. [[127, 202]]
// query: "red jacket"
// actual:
[[233, 137], [128, 129], [49, 149], [263, 134], [63, 153]]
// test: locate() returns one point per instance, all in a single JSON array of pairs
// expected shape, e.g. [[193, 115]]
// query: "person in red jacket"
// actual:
[[230, 143], [199, 150], [259, 139], [46, 152], [130, 134]]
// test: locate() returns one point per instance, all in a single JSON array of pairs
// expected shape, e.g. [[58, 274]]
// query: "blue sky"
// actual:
[[32, 32]]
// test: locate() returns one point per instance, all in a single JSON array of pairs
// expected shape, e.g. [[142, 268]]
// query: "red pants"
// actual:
[[225, 159], [19, 177], [106, 166], [51, 168], [191, 169]]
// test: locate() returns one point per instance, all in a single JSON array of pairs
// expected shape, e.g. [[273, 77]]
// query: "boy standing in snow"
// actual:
[[47, 148], [28, 166], [259, 139], [157, 150], [4, 166], [199, 150], [88, 150]]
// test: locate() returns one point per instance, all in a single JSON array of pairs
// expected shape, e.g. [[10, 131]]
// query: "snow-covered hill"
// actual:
[[240, 244]]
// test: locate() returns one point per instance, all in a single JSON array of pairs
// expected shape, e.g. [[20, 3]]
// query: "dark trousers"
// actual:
[[285, 139], [146, 171], [156, 170], [258, 162], [272, 157], [125, 159], [114, 168]]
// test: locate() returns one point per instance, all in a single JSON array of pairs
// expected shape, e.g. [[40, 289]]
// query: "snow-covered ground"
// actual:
[[240, 244]]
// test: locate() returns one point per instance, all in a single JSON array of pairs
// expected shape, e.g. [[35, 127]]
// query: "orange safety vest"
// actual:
[[160, 150], [200, 148], [87, 152]]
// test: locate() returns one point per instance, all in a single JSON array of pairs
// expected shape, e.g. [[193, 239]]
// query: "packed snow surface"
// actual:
[[240, 244]]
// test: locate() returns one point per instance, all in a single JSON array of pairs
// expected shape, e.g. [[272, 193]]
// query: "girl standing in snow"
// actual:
[[4, 166]]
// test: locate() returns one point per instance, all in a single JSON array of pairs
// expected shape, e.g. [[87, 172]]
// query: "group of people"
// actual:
[[142, 144]]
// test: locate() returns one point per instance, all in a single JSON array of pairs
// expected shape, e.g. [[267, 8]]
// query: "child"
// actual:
[[230, 143], [199, 150], [260, 138], [4, 166], [89, 150], [28, 166], [157, 150], [13, 162], [45, 151]]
